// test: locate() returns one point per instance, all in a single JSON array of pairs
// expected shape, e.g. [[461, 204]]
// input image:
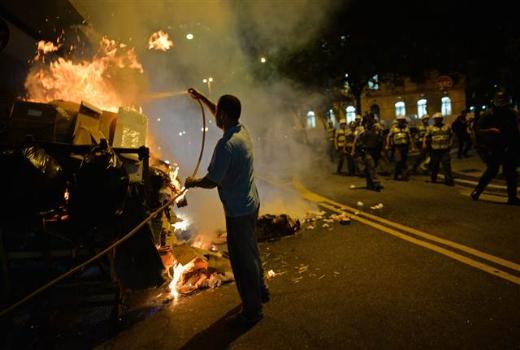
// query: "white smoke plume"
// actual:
[[228, 40]]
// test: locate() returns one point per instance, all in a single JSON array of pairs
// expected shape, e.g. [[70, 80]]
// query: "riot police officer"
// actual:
[[419, 142], [498, 144], [400, 139], [350, 135], [367, 149], [438, 137]]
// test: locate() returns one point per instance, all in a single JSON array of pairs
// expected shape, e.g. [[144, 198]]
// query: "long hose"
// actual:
[[122, 239], [203, 114]]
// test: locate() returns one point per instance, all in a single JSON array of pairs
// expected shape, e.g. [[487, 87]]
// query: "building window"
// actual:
[[446, 106], [311, 120], [421, 107], [373, 83], [331, 116], [351, 114], [400, 109]]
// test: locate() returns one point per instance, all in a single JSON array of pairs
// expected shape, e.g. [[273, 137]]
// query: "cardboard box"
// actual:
[[131, 130]]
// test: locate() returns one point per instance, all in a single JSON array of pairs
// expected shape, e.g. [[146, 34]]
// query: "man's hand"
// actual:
[[493, 131], [190, 182], [194, 94]]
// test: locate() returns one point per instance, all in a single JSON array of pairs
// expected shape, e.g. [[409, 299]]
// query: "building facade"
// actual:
[[438, 93]]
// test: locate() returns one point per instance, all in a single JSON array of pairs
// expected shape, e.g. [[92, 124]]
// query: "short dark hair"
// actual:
[[231, 105]]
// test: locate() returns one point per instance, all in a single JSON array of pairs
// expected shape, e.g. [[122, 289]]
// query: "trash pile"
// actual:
[[270, 227], [191, 268]]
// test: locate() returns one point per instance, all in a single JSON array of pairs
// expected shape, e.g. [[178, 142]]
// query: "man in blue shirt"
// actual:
[[231, 171]]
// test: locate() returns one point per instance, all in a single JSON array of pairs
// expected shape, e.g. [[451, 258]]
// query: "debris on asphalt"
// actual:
[[275, 226], [342, 218], [377, 206], [303, 268], [271, 274], [325, 226], [360, 204], [312, 216], [352, 186], [321, 277]]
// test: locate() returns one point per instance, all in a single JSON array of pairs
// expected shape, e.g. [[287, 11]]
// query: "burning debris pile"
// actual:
[[271, 227]]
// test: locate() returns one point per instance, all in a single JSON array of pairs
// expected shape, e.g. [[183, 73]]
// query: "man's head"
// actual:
[[401, 120], [438, 119], [228, 111], [425, 119], [342, 123]]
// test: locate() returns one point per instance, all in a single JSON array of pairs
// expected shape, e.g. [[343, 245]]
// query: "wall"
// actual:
[[410, 93]]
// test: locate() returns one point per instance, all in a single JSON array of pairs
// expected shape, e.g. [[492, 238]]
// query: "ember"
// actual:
[[160, 41]]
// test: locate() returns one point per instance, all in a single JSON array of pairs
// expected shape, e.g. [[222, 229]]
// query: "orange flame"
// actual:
[[160, 41], [92, 80], [45, 47]]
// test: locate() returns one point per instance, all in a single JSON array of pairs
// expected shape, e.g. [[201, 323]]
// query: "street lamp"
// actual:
[[263, 59], [208, 81]]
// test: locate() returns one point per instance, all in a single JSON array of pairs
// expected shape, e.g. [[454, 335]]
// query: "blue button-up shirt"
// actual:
[[231, 168]]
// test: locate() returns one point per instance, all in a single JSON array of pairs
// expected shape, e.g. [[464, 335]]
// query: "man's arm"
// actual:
[[203, 182], [198, 96]]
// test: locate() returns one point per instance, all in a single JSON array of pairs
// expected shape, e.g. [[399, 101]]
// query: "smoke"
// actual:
[[229, 38]]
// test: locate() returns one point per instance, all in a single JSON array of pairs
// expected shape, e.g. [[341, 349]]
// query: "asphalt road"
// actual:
[[357, 286]]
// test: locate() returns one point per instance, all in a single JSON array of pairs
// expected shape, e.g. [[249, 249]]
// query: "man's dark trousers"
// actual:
[[245, 262]]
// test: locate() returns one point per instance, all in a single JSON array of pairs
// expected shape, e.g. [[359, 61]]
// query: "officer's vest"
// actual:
[[350, 135], [359, 130], [340, 138], [400, 136], [421, 131], [440, 137]]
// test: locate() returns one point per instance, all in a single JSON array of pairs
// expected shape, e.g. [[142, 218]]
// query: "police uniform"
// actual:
[[350, 135], [499, 149], [400, 138], [367, 147], [424, 152], [439, 139]]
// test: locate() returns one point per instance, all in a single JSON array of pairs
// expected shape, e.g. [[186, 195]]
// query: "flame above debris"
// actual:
[[160, 41], [45, 47], [86, 80]]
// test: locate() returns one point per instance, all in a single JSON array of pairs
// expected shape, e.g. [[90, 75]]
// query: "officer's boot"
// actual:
[[477, 192]]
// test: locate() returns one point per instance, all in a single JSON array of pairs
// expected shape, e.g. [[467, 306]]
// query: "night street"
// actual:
[[354, 286], [259, 174]]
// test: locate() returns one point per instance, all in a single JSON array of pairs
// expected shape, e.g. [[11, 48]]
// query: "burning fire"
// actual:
[[178, 271], [92, 80], [44, 47], [160, 41]]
